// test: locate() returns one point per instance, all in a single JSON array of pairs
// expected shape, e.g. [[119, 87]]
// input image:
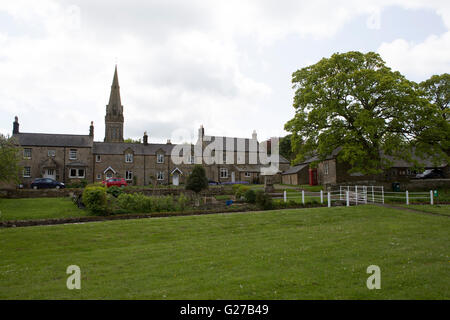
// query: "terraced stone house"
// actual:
[[70, 158]]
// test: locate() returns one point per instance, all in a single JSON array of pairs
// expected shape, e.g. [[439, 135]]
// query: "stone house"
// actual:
[[69, 158]]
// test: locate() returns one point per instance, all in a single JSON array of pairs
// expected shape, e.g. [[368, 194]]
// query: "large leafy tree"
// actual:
[[9, 160], [435, 138], [355, 102], [286, 148]]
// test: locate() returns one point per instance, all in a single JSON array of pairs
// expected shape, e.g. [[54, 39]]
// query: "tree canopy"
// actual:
[[355, 102], [9, 160], [197, 180]]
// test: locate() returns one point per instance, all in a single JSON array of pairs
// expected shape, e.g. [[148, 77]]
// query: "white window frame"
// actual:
[[98, 158], [159, 158], [73, 154], [326, 168], [128, 175], [51, 153], [222, 171], [160, 175], [191, 159], [99, 177], [109, 174], [128, 157], [26, 172], [51, 172], [25, 153], [77, 173]]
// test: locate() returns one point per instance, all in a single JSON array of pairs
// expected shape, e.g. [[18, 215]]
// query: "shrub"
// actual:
[[114, 191], [240, 192], [263, 200], [182, 202], [197, 180], [94, 198], [136, 202], [250, 196]]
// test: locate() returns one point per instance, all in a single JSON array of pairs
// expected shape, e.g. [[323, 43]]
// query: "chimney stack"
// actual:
[[91, 129], [168, 141], [201, 132], [16, 125], [254, 135], [145, 138]]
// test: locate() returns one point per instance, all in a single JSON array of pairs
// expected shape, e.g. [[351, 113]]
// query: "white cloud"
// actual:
[[180, 64]]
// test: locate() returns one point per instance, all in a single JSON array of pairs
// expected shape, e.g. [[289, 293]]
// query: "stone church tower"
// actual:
[[114, 113]]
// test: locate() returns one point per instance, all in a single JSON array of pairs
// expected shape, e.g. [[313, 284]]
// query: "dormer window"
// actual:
[[128, 157], [159, 158]]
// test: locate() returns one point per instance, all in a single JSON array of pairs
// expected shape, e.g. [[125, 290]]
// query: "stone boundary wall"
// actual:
[[53, 193]]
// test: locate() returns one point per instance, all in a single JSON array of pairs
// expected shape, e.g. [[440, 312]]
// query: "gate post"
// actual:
[[431, 197], [303, 196], [329, 199], [348, 198], [284, 196], [407, 197], [321, 196]]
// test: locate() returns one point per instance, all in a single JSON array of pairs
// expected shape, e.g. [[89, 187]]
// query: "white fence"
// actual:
[[355, 195]]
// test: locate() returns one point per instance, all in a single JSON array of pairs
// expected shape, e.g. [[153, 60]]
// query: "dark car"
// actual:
[[431, 174], [46, 183], [213, 183]]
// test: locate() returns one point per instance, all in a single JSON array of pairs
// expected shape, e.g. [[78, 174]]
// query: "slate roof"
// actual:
[[137, 148], [295, 169], [53, 140]]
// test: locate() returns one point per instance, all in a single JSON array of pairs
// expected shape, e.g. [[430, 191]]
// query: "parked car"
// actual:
[[213, 183], [430, 174], [46, 183], [118, 182]]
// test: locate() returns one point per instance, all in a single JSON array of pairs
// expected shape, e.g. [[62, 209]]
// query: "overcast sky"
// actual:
[[224, 64]]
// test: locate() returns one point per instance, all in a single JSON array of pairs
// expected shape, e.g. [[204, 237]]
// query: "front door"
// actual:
[[232, 177], [50, 173], [176, 179]]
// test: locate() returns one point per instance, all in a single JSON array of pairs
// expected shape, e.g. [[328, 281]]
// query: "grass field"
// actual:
[[438, 208], [320, 253], [38, 208]]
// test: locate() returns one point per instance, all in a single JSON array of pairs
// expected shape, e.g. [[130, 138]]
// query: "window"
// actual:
[[73, 154], [99, 177], [128, 157], [191, 159], [27, 153], [128, 175], [223, 172], [98, 158], [325, 168], [109, 175], [160, 158], [248, 174], [160, 175], [51, 153], [76, 173], [50, 172], [27, 172]]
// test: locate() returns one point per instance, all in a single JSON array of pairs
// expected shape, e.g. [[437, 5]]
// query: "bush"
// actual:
[[263, 200], [114, 191], [197, 180], [94, 198], [182, 202], [241, 190], [136, 202], [250, 196]]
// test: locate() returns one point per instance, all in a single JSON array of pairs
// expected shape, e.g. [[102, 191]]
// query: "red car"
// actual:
[[118, 182]]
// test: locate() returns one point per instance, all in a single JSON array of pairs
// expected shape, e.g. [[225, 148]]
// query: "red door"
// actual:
[[313, 177]]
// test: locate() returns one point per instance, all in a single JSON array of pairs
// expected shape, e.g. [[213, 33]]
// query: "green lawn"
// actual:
[[38, 208], [438, 208], [319, 253]]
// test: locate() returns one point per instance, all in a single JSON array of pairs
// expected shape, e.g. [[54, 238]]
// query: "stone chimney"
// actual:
[[145, 138], [168, 141], [91, 129], [16, 125], [201, 132], [254, 135]]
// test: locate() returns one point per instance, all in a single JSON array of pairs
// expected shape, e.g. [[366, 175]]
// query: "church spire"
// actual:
[[114, 113]]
